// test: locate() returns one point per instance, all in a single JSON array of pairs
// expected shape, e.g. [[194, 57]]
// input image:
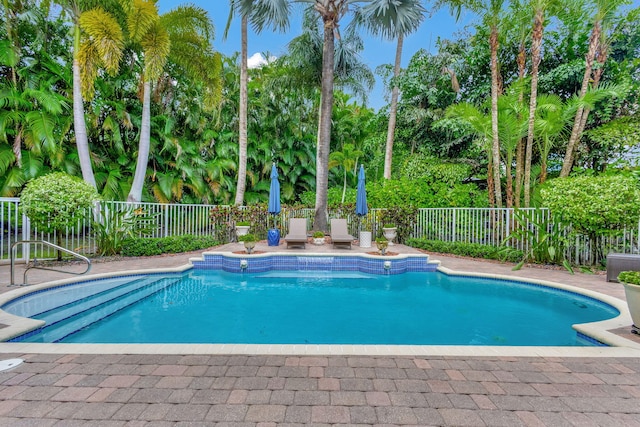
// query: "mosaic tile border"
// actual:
[[261, 263]]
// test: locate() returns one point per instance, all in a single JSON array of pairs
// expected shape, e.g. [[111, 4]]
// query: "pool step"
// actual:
[[33, 305], [66, 321], [92, 298]]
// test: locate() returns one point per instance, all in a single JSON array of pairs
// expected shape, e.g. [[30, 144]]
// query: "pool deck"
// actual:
[[592, 386]]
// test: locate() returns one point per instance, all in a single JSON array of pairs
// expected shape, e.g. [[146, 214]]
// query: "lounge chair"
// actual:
[[339, 234], [297, 236]]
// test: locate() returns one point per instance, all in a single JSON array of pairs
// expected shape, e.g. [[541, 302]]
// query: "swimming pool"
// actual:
[[310, 307]]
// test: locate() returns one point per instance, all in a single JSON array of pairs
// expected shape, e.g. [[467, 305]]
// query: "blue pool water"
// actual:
[[315, 307]]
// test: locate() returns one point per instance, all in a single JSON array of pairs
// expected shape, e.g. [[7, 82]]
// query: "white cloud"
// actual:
[[258, 60]]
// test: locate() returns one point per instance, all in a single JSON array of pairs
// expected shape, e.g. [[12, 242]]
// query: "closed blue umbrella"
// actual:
[[361, 195], [274, 192], [273, 235]]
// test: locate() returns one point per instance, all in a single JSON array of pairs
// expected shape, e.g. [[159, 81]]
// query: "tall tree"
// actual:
[[189, 30], [347, 159], [598, 51], [261, 13], [492, 17], [97, 42], [393, 19], [539, 8], [491, 13], [520, 19], [331, 12]]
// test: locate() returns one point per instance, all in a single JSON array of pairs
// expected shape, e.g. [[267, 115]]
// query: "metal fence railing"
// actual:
[[488, 226]]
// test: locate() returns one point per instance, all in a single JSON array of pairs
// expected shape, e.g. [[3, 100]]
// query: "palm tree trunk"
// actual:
[[344, 185], [135, 194], [79, 125], [495, 146], [522, 63], [601, 58], [393, 111], [569, 155], [491, 194], [324, 131], [242, 152], [536, 41], [509, 179]]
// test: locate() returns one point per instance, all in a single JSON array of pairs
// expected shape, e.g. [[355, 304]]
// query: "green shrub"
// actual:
[[248, 238], [631, 277], [421, 193], [318, 234], [475, 250], [594, 205], [57, 201], [166, 245], [334, 197]]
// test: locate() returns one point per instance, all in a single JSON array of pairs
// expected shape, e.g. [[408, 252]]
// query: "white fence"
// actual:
[[468, 225]]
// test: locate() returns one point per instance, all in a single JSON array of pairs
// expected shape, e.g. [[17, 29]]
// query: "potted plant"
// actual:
[[242, 228], [390, 231], [382, 244], [631, 282], [318, 238], [365, 232], [249, 241]]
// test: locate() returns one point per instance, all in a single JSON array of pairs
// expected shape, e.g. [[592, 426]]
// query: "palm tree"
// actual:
[[331, 12], [189, 30], [552, 118], [512, 128], [520, 19], [598, 51], [480, 124], [97, 43], [539, 8], [347, 159], [261, 14], [393, 19], [305, 61], [491, 10]]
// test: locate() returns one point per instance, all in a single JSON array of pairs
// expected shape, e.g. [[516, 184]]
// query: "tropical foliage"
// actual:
[[472, 127]]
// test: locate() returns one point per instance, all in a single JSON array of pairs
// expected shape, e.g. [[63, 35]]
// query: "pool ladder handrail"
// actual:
[[43, 242]]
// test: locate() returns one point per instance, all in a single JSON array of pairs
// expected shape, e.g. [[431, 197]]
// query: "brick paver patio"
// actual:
[[120, 390], [265, 390]]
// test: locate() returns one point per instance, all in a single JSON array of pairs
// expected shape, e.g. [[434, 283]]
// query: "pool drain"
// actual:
[[9, 363]]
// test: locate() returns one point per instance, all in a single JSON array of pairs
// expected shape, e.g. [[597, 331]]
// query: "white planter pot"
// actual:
[[241, 230], [365, 239], [389, 234], [318, 241], [632, 293]]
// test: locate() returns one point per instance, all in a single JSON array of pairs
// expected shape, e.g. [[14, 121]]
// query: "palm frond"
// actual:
[[106, 35], [142, 16], [391, 18], [156, 45]]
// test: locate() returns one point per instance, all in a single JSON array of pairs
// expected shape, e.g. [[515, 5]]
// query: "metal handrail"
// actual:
[[43, 242]]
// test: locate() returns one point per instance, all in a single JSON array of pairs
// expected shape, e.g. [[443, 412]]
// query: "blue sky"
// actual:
[[376, 51]]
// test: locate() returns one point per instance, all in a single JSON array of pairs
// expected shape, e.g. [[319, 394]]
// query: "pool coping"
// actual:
[[620, 347]]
